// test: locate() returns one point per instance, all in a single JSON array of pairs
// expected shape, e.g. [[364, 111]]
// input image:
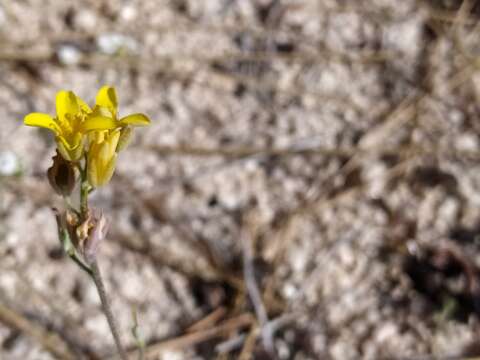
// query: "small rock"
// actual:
[[467, 142], [172, 355], [386, 332], [289, 291], [128, 13], [113, 43], [69, 55], [86, 20], [9, 163]]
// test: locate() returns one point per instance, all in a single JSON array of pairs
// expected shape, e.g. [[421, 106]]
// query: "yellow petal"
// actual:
[[71, 142], [63, 151], [135, 120], [107, 97], [83, 105], [101, 111], [92, 172], [68, 151], [99, 173], [93, 152], [108, 147], [96, 137], [98, 123], [93, 164], [125, 136], [77, 152], [41, 120], [66, 104], [108, 171], [71, 149], [112, 140]]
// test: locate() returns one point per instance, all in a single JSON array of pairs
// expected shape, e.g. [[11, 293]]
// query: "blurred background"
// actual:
[[308, 188]]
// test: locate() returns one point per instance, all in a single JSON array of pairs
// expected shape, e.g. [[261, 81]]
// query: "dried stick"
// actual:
[[253, 290], [197, 337], [50, 341]]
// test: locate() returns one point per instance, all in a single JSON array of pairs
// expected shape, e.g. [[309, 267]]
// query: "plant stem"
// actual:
[[92, 266], [141, 351], [81, 263], [97, 279], [84, 191]]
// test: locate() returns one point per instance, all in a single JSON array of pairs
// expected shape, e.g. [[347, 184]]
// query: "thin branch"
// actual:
[[275, 324], [191, 339], [48, 340], [253, 289]]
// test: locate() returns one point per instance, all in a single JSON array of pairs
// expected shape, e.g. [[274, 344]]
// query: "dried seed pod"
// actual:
[[71, 223], [96, 236], [61, 175], [83, 230]]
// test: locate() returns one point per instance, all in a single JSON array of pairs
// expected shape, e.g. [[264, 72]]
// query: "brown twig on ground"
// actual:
[[234, 343], [70, 330], [208, 321], [194, 338], [48, 340], [251, 285], [169, 259], [249, 345], [247, 151]]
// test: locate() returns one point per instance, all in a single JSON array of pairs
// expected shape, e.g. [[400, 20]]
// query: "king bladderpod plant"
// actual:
[[88, 141]]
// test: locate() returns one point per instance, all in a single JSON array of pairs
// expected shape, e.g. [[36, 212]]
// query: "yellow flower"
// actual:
[[98, 132], [105, 144], [106, 105], [74, 119], [101, 159]]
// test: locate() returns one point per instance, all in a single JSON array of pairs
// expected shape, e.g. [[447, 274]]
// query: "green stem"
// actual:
[[97, 279], [141, 352], [81, 263], [91, 266], [84, 191], [68, 247], [70, 206]]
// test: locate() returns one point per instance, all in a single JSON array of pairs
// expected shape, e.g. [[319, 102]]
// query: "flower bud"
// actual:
[[101, 159]]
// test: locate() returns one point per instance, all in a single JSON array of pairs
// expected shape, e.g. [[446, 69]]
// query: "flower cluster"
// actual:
[[95, 134]]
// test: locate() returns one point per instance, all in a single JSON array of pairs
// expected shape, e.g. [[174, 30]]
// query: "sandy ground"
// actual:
[[338, 140]]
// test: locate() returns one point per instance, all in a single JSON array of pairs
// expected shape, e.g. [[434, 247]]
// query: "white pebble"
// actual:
[[9, 163], [128, 13], [86, 20], [69, 55], [467, 142], [386, 332], [112, 43]]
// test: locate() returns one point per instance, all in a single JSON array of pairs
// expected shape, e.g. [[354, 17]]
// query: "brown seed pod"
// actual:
[[61, 175]]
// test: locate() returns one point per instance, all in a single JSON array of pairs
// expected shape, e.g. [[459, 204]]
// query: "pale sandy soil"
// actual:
[[341, 138]]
